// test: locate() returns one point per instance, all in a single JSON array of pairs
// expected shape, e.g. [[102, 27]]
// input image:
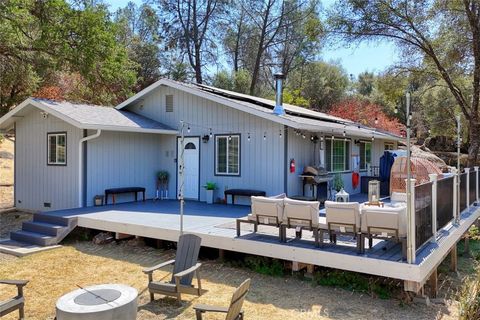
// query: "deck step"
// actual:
[[33, 237], [43, 227], [42, 217]]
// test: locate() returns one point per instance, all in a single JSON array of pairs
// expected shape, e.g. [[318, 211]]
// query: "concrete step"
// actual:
[[43, 227], [33, 237], [46, 218], [21, 249]]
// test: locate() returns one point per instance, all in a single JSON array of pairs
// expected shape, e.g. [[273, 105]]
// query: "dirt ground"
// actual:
[[6, 174], [54, 273]]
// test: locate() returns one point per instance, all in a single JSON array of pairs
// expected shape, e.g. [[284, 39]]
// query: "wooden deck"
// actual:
[[215, 224]]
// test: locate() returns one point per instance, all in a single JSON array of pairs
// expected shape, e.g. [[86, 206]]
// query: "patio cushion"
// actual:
[[301, 212], [262, 220], [342, 214], [380, 220], [267, 208]]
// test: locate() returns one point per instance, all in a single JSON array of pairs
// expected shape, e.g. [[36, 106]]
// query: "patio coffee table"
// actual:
[[105, 301]]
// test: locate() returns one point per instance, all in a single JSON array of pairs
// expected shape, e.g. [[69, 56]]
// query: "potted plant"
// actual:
[[210, 187], [162, 184], [337, 184]]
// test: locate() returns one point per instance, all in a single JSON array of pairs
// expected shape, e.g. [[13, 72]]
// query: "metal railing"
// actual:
[[438, 203]]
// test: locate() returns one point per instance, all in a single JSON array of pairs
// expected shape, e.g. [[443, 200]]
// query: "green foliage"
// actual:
[[469, 298], [163, 176], [338, 182], [234, 81], [210, 186], [264, 265], [353, 281], [321, 84]]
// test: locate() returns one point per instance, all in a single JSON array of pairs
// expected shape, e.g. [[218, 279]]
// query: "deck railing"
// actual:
[[438, 203]]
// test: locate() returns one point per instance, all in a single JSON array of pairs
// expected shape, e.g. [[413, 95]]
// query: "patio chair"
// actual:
[[185, 267], [265, 211], [389, 222], [15, 303], [344, 218], [234, 310], [301, 215]]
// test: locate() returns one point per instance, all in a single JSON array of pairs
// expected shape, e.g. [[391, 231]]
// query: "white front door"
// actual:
[[191, 159]]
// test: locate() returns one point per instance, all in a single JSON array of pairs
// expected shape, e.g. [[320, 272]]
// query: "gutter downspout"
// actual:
[[80, 164]]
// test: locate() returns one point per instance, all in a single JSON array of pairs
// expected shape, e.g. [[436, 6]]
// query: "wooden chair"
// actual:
[[185, 268], [234, 311], [15, 303]]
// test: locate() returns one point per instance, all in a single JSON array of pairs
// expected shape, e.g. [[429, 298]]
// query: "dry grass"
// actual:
[[54, 273], [6, 175]]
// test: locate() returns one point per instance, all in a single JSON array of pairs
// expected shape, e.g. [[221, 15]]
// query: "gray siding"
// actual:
[[37, 183], [118, 159], [262, 161]]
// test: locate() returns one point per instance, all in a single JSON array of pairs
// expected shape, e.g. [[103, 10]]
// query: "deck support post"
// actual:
[[433, 284], [453, 258], [411, 246], [466, 247], [434, 180], [221, 254]]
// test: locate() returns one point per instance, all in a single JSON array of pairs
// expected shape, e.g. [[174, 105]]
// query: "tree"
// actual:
[[42, 38], [365, 83], [366, 113], [139, 33], [443, 35], [189, 25], [235, 81], [320, 83]]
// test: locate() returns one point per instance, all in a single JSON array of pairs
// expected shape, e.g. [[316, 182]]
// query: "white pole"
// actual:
[[467, 189], [80, 164], [456, 200], [410, 215], [476, 183], [459, 140], [434, 179], [181, 174]]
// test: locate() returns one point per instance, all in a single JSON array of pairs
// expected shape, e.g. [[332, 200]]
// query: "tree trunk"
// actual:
[[474, 138]]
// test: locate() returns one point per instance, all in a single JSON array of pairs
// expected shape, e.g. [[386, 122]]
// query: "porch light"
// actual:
[[205, 138]]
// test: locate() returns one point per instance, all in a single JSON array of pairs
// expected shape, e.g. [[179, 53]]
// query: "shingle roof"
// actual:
[[93, 115], [89, 117]]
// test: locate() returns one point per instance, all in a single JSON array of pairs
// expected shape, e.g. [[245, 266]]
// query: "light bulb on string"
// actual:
[[265, 136], [376, 120], [280, 133], [229, 138], [344, 133], [248, 136], [188, 129], [303, 135], [211, 134]]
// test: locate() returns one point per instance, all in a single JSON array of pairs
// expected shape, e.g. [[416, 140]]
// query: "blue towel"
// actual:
[[386, 163]]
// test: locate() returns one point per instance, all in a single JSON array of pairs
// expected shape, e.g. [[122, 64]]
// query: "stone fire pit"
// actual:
[[105, 301]]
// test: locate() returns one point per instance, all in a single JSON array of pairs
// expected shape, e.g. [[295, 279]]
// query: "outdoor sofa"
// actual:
[[344, 218]]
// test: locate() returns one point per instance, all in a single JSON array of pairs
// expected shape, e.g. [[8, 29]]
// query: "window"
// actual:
[[227, 155], [365, 154], [169, 103], [389, 146], [337, 155], [57, 148]]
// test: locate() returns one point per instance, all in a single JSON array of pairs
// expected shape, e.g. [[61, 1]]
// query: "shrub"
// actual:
[[469, 298]]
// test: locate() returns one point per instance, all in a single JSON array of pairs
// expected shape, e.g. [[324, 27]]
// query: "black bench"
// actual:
[[114, 191], [242, 192]]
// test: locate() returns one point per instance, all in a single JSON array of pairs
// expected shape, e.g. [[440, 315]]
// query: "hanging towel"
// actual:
[[386, 163]]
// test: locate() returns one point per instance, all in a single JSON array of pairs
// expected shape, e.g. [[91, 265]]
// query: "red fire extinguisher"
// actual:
[[292, 165]]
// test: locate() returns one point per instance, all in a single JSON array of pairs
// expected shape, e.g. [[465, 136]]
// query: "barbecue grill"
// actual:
[[318, 179]]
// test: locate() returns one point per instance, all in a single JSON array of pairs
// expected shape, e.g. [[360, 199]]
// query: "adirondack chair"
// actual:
[[234, 311], [15, 303], [185, 267]]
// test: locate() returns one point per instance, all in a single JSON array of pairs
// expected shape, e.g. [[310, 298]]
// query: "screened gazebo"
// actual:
[[420, 169]]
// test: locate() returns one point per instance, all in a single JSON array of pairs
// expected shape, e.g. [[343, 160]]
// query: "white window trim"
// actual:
[[365, 154], [217, 173], [56, 162], [349, 161]]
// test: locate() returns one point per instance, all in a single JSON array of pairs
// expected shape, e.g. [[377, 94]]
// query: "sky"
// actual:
[[372, 57]]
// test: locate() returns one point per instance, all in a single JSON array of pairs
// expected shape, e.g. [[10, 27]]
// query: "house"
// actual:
[[66, 153]]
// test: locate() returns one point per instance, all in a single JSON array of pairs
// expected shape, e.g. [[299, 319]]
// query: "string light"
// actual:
[[303, 135], [229, 138], [280, 133], [373, 138], [248, 137], [188, 129], [376, 120], [344, 133], [395, 110], [265, 135], [211, 134], [345, 139], [321, 138], [333, 137]]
